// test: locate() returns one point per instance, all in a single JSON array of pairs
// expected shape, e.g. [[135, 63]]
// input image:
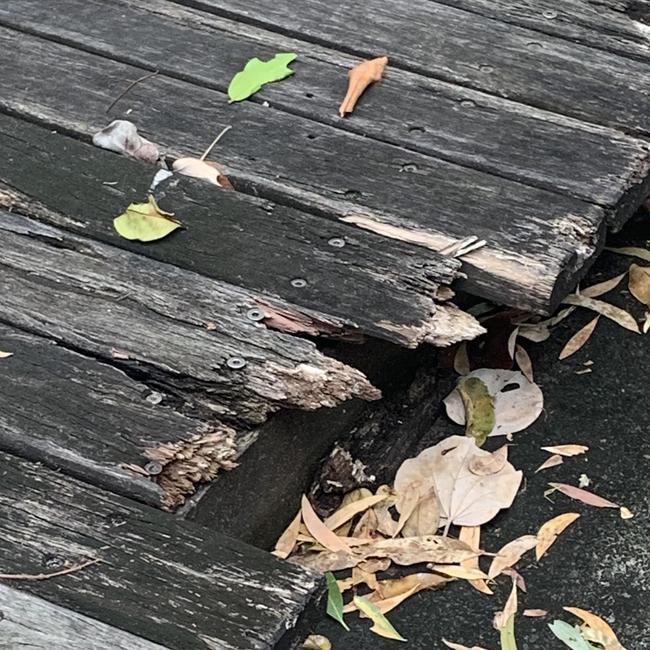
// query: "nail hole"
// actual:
[[309, 95], [255, 315], [468, 103], [352, 194], [153, 468], [409, 167], [311, 136], [416, 129]]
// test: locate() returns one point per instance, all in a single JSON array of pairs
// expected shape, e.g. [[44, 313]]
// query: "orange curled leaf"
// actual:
[[360, 77], [551, 530]]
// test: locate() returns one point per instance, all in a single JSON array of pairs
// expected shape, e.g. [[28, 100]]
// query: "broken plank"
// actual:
[[538, 242], [468, 49], [164, 580], [374, 285], [421, 114], [31, 622]]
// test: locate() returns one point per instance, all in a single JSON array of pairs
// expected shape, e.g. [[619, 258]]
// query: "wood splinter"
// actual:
[[360, 77]]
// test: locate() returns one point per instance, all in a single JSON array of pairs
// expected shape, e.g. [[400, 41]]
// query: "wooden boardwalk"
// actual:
[[140, 371]]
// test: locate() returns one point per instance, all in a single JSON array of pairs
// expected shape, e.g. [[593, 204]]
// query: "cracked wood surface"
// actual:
[[169, 582]]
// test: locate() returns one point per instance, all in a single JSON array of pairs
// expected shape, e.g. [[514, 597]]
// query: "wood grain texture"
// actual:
[[538, 242], [444, 120], [468, 49], [31, 622], [372, 285], [164, 580]]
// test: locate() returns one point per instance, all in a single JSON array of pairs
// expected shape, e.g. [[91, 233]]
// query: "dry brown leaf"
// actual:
[[485, 466], [550, 531], [288, 539], [459, 572], [585, 496], [416, 500], [601, 288], [471, 535], [534, 613], [514, 410], [386, 525], [618, 315], [535, 332], [122, 136], [385, 604], [361, 576], [359, 78], [374, 565], [552, 461], [605, 634], [579, 339], [510, 554], [390, 588], [319, 531], [567, 450], [458, 646], [524, 362], [350, 510], [639, 283], [203, 169], [405, 551], [6, 355], [366, 526], [510, 609], [517, 577], [461, 360], [355, 495]]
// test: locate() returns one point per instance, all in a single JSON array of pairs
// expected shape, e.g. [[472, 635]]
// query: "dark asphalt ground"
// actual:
[[601, 563]]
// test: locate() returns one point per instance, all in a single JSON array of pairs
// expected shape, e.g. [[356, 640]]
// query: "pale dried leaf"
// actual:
[[579, 339], [360, 77], [524, 362], [502, 618], [485, 466], [601, 288], [626, 513], [535, 332], [517, 577], [122, 136], [374, 565], [202, 169], [552, 461], [514, 410], [363, 577], [512, 342], [535, 613], [606, 635], [383, 603], [461, 360], [579, 494], [471, 535], [618, 315], [355, 495], [422, 516], [632, 251], [288, 539], [316, 642], [639, 283], [458, 646], [319, 531], [406, 503], [347, 512], [550, 531], [567, 450], [459, 572], [510, 554]]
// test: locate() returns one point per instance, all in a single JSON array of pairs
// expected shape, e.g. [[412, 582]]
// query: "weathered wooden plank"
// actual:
[[378, 286], [422, 114], [613, 26], [164, 580], [538, 242], [469, 49], [31, 622]]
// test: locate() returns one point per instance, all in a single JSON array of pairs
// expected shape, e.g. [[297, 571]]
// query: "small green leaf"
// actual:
[[570, 636], [382, 625], [479, 409], [256, 73], [508, 641], [335, 600], [145, 222]]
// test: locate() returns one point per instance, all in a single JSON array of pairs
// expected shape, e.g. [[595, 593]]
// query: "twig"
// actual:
[[47, 576], [209, 149], [133, 83]]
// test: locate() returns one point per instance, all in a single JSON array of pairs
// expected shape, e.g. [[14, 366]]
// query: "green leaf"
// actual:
[[256, 73], [382, 625], [570, 636], [479, 409], [335, 600], [508, 641], [145, 222]]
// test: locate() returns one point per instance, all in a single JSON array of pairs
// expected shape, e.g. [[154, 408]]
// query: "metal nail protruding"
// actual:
[[154, 397], [153, 468], [299, 283], [236, 363], [337, 242], [549, 13], [255, 315]]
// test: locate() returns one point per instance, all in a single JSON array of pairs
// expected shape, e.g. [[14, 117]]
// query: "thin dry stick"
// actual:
[[214, 142], [47, 576], [133, 83]]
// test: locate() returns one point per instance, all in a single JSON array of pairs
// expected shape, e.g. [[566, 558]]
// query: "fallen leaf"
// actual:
[[319, 531], [458, 646], [347, 512], [316, 642], [639, 283], [646, 323], [485, 466], [257, 73], [578, 340], [406, 502], [287, 541], [508, 641], [359, 78], [626, 513], [631, 251], [471, 535], [479, 409], [335, 600], [524, 362], [517, 577], [460, 572], [584, 481], [6, 355], [360, 577], [203, 169], [552, 461], [122, 136], [461, 360], [502, 619], [618, 315], [396, 586], [567, 450], [601, 288], [604, 633], [145, 222], [421, 515], [514, 409], [570, 636], [510, 554], [374, 565], [383, 604], [535, 613], [382, 625], [535, 332], [551, 530], [589, 498]]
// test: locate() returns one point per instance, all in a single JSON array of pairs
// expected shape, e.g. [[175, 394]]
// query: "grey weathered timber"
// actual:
[[471, 128], [538, 242], [31, 622], [468, 49], [166, 581], [373, 285], [622, 27]]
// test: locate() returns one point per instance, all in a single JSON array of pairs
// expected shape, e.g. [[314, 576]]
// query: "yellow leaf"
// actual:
[[145, 222], [578, 340], [382, 625], [479, 408], [550, 531], [607, 637], [639, 283], [320, 532], [567, 450]]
